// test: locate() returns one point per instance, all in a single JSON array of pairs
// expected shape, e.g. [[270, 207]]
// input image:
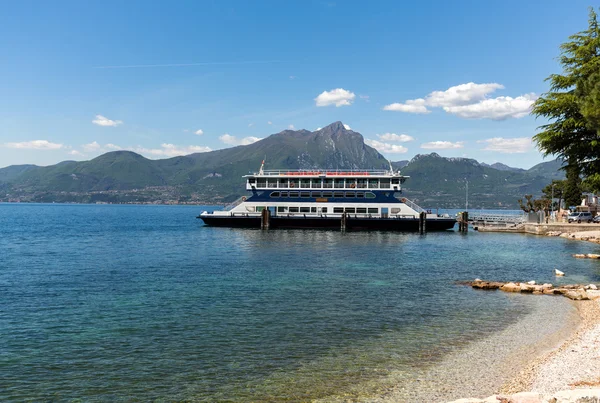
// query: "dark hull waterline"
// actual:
[[387, 224]]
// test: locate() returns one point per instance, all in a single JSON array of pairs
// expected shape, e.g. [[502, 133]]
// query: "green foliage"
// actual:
[[571, 104], [534, 205], [572, 187], [555, 190]]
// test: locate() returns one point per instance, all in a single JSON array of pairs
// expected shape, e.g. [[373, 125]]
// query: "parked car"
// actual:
[[582, 216], [597, 219]]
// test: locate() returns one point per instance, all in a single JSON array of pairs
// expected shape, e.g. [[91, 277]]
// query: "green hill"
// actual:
[[124, 176]]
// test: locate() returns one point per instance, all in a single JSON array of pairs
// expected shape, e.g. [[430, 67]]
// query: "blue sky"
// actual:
[[168, 78]]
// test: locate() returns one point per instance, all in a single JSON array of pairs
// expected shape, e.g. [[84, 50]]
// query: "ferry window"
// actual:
[[272, 183], [305, 183], [305, 209], [328, 183], [261, 183], [361, 183], [293, 209], [327, 194], [294, 194], [372, 210], [284, 194], [315, 183], [323, 210], [338, 183], [282, 209], [384, 183], [259, 209], [294, 182], [395, 210], [360, 195], [361, 210], [284, 183], [304, 194], [313, 209], [252, 180], [350, 210], [350, 194], [338, 194], [395, 181], [370, 195], [316, 194], [337, 210], [274, 194], [373, 184], [350, 182]]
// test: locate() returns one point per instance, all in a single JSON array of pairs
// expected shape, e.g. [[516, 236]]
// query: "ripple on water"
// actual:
[[143, 302]]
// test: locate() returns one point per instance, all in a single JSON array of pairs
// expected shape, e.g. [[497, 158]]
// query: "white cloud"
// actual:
[[171, 150], [365, 98], [234, 141], [470, 101], [398, 138], [93, 146], [338, 97], [293, 77], [500, 108], [34, 145], [463, 94], [104, 121], [347, 127], [199, 132], [386, 148], [75, 153], [269, 122], [250, 124], [410, 106], [442, 145], [318, 128], [291, 127], [508, 146]]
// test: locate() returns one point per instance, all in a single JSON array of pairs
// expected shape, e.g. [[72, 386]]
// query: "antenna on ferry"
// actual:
[[262, 165], [391, 168]]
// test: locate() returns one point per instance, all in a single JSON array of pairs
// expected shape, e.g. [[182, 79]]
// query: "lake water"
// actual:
[[138, 303]]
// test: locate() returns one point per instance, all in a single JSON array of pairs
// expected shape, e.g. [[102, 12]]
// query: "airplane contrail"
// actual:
[[133, 66]]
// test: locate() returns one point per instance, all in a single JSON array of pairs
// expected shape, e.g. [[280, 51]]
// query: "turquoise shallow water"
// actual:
[[138, 303]]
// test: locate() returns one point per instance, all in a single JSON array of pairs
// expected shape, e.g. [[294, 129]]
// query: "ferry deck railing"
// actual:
[[325, 172], [413, 205]]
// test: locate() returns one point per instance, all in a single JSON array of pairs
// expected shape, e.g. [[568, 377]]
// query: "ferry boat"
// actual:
[[348, 199]]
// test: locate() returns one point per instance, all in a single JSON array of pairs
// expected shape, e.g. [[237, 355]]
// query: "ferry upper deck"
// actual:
[[313, 179]]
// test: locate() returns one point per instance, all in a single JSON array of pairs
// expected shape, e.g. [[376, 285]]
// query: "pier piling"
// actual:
[[422, 222], [344, 221], [265, 219]]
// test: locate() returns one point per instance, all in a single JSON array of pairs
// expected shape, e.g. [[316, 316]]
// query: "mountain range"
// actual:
[[215, 177]]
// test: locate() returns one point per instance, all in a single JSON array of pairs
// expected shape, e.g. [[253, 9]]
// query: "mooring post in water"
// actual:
[[265, 218], [463, 221], [343, 222], [422, 221]]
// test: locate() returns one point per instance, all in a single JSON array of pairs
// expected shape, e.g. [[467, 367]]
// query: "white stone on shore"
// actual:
[[563, 396], [576, 396], [558, 273], [592, 287], [532, 282]]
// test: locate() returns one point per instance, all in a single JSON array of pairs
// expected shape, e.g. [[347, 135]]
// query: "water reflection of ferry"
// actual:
[[358, 200]]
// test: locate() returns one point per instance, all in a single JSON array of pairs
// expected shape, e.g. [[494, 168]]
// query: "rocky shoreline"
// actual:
[[571, 372]]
